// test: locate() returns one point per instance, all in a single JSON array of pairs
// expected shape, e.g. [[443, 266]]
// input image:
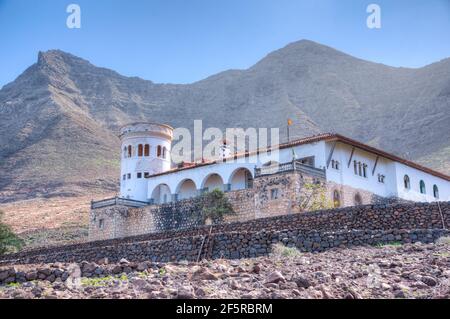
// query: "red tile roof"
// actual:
[[328, 137]]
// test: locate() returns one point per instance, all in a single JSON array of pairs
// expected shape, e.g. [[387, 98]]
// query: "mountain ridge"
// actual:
[[63, 100]]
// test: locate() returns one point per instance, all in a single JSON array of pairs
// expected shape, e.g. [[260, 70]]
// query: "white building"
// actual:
[[147, 174]]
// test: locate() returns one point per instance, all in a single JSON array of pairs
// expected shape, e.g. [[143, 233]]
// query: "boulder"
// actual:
[[430, 281], [275, 277], [303, 282]]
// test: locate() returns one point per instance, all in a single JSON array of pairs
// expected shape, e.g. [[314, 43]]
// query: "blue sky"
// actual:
[[183, 41]]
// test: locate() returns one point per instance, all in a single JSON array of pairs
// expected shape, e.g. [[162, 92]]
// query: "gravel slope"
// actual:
[[407, 271]]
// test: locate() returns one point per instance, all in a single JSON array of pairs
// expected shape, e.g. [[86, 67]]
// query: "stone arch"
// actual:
[[212, 181], [186, 189], [161, 194], [240, 178]]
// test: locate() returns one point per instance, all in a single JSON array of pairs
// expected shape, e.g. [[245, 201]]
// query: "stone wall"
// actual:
[[271, 195], [120, 221], [310, 231]]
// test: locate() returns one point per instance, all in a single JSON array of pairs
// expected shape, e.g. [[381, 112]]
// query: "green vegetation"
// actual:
[[443, 240], [280, 250], [390, 244], [96, 282], [162, 271], [102, 281], [215, 206], [315, 197], [9, 242]]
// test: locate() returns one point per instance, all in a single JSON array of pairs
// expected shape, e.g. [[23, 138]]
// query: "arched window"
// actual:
[[358, 199], [125, 152], [336, 198], [422, 187], [164, 152], [435, 191], [140, 150], [147, 150], [406, 182], [158, 153], [129, 150]]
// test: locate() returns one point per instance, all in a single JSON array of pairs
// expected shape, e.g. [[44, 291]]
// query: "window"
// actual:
[[381, 178], [124, 177], [274, 193], [139, 175], [360, 168], [158, 153], [336, 198], [422, 187], [358, 199], [435, 191], [164, 152], [335, 164], [406, 182], [129, 176], [140, 150], [147, 150], [101, 223], [146, 174], [124, 152], [129, 150], [307, 160]]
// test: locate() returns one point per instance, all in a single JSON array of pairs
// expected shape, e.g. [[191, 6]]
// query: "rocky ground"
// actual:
[[393, 271]]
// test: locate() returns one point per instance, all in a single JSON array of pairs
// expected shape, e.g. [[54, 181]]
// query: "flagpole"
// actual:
[[288, 134], [289, 123]]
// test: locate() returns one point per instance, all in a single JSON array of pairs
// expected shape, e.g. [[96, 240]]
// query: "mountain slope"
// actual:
[[58, 120]]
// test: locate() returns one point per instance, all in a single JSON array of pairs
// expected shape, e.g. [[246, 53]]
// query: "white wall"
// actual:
[[393, 172], [346, 175], [197, 175], [136, 188], [415, 176]]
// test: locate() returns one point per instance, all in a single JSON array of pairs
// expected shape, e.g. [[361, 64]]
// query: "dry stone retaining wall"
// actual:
[[312, 231]]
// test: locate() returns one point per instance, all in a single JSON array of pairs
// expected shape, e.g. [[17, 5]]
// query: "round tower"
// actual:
[[145, 151]]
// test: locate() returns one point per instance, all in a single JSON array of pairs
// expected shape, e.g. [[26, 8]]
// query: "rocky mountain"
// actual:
[[59, 119]]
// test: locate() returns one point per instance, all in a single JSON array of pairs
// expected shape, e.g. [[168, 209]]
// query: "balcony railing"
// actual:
[[290, 167], [118, 201]]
